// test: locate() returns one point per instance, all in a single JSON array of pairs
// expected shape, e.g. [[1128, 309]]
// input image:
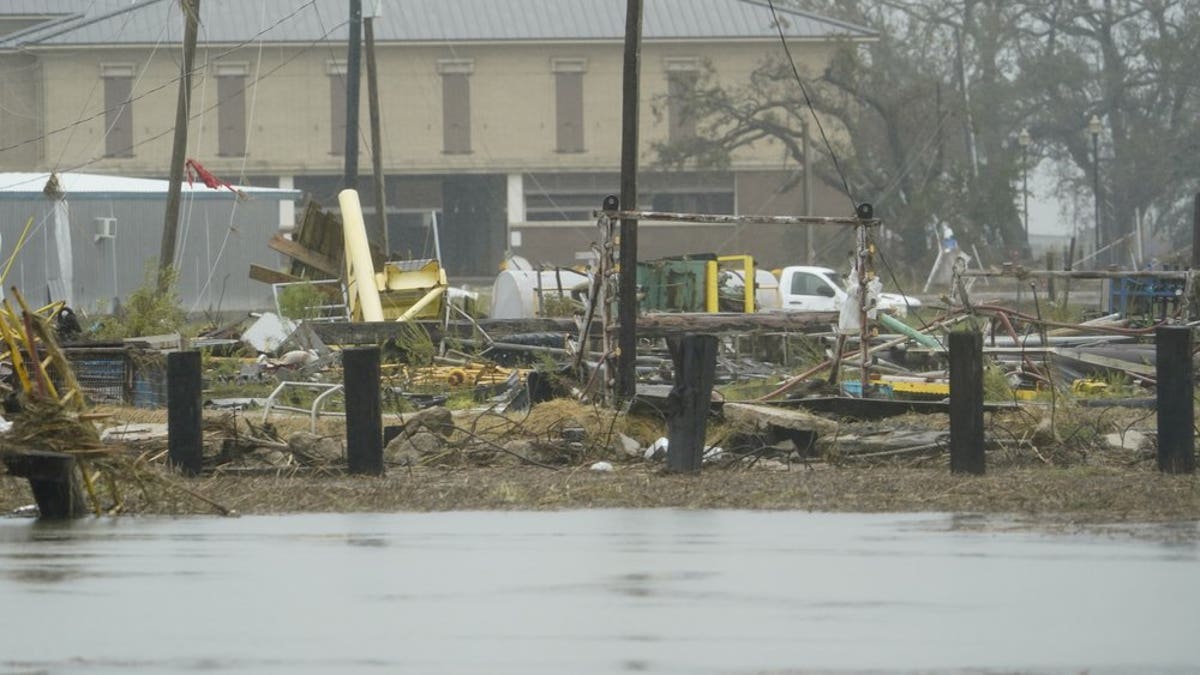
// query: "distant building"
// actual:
[[87, 243], [500, 119]]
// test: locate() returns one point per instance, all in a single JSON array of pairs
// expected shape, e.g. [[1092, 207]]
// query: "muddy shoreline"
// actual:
[[1082, 495]]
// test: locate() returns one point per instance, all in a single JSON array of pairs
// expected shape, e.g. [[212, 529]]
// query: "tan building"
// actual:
[[500, 120]]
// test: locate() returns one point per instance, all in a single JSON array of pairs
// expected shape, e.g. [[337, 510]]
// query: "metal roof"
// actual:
[[24, 185], [128, 22]]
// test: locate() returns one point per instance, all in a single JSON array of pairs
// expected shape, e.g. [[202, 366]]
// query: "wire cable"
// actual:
[[167, 83], [811, 108]]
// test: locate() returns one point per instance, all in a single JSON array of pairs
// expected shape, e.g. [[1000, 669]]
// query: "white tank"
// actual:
[[515, 292]]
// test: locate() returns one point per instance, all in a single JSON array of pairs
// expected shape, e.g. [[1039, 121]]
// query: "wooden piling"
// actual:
[[695, 359], [364, 411], [1176, 416], [53, 479], [966, 402], [1050, 294], [185, 439]]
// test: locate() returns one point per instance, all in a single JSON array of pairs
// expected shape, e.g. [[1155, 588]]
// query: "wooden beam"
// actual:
[[305, 255], [270, 276], [667, 325]]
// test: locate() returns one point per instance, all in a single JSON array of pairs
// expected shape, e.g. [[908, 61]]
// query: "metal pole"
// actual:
[[353, 67], [166, 255], [1025, 189], [627, 300], [1096, 188], [809, 211]]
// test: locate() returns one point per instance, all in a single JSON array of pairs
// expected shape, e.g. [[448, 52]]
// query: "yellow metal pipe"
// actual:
[[711, 303], [358, 256], [422, 303]]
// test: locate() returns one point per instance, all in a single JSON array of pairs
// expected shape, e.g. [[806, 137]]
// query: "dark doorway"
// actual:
[[473, 231]]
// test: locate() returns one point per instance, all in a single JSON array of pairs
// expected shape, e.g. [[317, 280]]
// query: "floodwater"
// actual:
[[605, 591]]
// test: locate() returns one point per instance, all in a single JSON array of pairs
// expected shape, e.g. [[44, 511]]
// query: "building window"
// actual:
[[682, 76], [568, 91], [231, 109], [456, 105], [337, 107], [118, 109]]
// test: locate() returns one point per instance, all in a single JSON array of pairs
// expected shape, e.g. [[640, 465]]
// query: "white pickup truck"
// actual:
[[815, 289]]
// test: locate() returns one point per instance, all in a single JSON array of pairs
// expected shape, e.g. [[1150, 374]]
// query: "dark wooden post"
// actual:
[[185, 437], [364, 411], [627, 304], [695, 358], [166, 256], [1176, 442], [53, 479], [1050, 282], [966, 402], [353, 68]]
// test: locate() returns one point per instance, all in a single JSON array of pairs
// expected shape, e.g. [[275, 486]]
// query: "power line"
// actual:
[[812, 109], [310, 45], [167, 83]]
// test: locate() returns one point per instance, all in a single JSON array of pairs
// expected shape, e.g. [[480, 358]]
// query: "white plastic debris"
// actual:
[[602, 466], [657, 449]]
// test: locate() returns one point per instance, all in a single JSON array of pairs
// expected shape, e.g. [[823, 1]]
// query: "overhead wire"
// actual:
[[229, 229], [811, 108], [43, 136], [308, 46]]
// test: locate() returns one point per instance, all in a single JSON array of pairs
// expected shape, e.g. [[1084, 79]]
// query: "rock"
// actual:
[[603, 467], [437, 419], [271, 457], [313, 449], [418, 445], [574, 434], [627, 447]]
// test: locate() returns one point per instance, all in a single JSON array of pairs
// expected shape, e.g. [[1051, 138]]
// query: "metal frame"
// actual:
[[317, 405], [322, 317]]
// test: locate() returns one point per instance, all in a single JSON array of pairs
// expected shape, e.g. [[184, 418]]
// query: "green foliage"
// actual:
[[149, 310], [414, 343], [301, 301]]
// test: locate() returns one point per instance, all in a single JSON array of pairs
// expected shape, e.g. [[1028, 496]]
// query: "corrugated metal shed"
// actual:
[[94, 246], [295, 21]]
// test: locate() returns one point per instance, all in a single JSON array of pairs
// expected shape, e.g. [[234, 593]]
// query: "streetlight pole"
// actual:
[[1023, 140], [1094, 130]]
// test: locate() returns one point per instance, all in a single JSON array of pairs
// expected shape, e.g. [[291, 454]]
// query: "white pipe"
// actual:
[[358, 256]]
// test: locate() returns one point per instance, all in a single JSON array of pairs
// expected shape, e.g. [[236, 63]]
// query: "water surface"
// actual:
[[655, 591]]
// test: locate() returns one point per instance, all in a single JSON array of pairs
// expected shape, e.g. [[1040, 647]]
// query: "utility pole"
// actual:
[[353, 67], [376, 141], [809, 253], [627, 304], [166, 256]]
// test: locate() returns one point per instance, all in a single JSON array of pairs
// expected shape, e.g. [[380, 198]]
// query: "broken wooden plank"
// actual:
[[763, 416], [313, 259], [270, 276], [878, 408], [676, 324], [1142, 370]]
